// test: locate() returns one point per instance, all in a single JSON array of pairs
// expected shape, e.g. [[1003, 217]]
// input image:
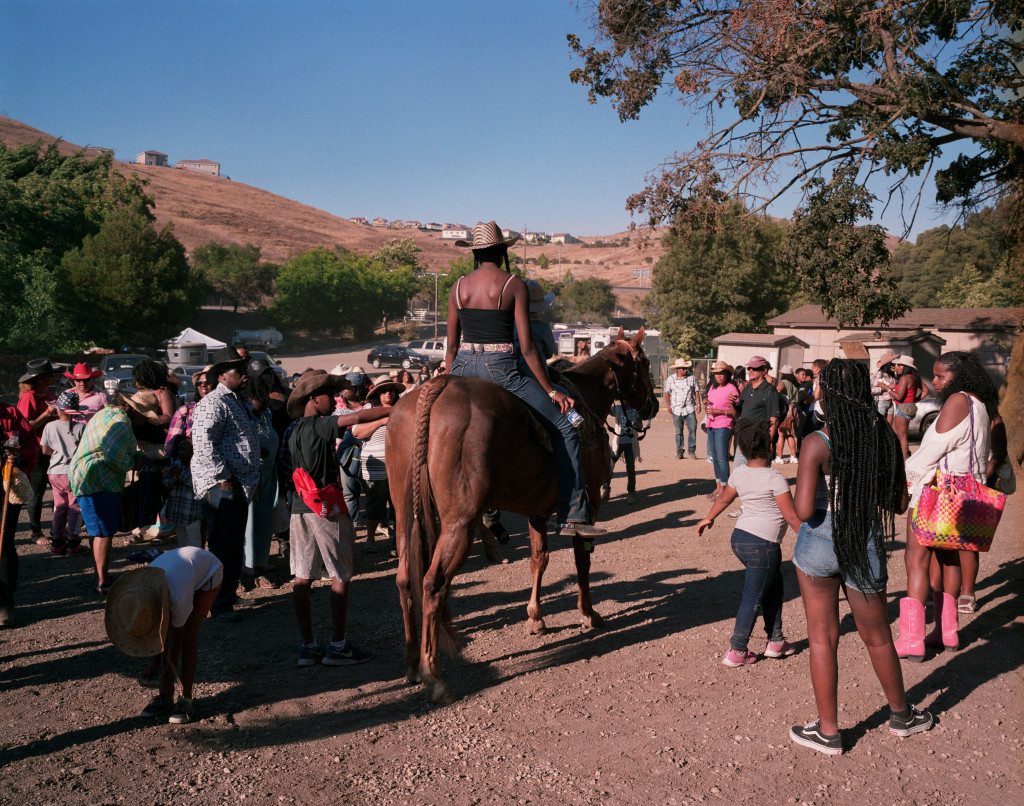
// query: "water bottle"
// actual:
[[574, 417]]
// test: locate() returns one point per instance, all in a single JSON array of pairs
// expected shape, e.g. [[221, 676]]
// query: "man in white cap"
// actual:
[[682, 398]]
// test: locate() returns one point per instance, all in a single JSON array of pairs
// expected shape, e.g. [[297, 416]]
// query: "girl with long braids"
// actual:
[[849, 487], [957, 444]]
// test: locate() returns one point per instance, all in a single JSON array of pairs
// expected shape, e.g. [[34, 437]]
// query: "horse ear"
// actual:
[[622, 334], [639, 337]]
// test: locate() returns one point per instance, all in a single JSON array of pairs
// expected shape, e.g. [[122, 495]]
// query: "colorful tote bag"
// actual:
[[957, 511]]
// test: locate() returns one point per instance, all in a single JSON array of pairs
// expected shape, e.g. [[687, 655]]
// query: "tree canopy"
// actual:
[[590, 300], [793, 91], [711, 282], [236, 272]]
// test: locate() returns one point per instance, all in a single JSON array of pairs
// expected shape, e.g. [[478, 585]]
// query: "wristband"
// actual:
[[552, 393]]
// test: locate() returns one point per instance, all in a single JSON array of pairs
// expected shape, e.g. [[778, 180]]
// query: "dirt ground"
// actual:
[[640, 712]]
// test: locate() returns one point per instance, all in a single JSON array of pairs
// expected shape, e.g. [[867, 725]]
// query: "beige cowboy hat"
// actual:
[[887, 358], [539, 301], [145, 403], [487, 235], [197, 375], [394, 387], [721, 366], [681, 363], [312, 382], [905, 361], [137, 615]]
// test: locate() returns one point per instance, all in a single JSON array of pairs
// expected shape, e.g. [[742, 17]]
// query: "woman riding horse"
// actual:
[[483, 307]]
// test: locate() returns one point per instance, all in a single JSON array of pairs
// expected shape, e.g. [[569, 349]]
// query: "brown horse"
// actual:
[[457, 446]]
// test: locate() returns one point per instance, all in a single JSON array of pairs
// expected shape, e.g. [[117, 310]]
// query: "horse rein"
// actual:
[[640, 432]]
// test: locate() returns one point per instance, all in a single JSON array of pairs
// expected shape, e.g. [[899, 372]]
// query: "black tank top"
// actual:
[[485, 325]]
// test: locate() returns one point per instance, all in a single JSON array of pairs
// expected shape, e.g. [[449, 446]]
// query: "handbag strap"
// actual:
[[970, 412]]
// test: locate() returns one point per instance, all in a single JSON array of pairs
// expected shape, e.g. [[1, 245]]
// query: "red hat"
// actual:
[[758, 362], [83, 372]]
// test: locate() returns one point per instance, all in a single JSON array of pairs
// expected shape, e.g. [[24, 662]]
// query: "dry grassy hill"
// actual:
[[205, 208]]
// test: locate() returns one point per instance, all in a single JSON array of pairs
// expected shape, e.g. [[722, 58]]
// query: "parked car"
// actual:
[[117, 368], [396, 355], [927, 413], [434, 349]]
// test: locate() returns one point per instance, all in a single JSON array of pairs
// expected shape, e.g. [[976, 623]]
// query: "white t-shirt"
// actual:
[[757, 488], [187, 570]]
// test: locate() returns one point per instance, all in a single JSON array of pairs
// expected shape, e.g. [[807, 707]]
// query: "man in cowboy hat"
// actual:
[[317, 542], [682, 398], [156, 612], [90, 398], [36, 405], [225, 470]]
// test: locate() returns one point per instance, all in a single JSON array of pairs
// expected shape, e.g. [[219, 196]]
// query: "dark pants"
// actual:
[[762, 587], [626, 452], [226, 513], [9, 558], [39, 481]]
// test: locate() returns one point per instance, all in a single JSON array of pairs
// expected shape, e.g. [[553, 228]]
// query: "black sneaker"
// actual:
[[915, 722], [183, 712], [158, 707], [810, 735]]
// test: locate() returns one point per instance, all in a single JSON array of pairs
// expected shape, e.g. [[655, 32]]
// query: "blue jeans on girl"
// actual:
[[718, 450], [762, 588]]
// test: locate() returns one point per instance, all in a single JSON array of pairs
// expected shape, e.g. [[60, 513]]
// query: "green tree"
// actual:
[[794, 90], [970, 289], [711, 282], [840, 266], [129, 281], [312, 291], [542, 261], [589, 300], [49, 203], [236, 272]]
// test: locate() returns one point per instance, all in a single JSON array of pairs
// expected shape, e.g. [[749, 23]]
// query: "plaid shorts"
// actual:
[[316, 543]]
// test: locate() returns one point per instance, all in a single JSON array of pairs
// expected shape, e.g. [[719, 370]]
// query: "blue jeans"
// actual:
[[762, 588], [502, 369], [718, 450], [690, 421], [226, 513]]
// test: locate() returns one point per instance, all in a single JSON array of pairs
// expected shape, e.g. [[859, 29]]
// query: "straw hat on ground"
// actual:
[[313, 382], [137, 616], [486, 236]]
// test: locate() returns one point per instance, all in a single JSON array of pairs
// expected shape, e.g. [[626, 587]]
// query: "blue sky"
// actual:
[[442, 111]]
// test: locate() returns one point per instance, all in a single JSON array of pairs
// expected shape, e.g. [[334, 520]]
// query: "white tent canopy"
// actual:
[[190, 335]]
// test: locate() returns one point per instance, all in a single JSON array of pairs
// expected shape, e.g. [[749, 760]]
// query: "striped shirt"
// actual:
[[105, 454]]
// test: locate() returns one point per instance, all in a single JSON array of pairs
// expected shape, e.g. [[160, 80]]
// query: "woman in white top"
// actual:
[[958, 444]]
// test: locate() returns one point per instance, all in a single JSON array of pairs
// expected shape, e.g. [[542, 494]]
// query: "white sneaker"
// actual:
[[778, 461], [793, 460]]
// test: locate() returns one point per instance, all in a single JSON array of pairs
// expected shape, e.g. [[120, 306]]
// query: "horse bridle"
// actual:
[[641, 432]]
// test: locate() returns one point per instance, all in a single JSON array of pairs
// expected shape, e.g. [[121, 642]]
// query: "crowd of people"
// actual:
[[246, 459]]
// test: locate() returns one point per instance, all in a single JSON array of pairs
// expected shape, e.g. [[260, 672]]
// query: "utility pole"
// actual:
[[435, 301]]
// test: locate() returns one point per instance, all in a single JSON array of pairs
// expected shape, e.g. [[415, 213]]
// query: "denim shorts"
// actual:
[[908, 411], [815, 555], [101, 513]]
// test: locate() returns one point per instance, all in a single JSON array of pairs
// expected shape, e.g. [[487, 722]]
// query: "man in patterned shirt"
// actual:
[[682, 398], [225, 471]]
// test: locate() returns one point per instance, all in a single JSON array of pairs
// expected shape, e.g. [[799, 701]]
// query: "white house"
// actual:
[[457, 232], [151, 158], [203, 166], [563, 237]]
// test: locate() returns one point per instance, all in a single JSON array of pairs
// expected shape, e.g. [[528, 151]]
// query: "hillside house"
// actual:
[[564, 237], [397, 224], [511, 233], [151, 158], [359, 220], [456, 232], [413, 225], [203, 166], [433, 226], [380, 222]]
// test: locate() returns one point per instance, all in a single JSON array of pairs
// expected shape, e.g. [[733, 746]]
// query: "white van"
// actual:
[[434, 349]]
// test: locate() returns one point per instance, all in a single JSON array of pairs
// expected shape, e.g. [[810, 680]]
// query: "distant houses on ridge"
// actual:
[[159, 159]]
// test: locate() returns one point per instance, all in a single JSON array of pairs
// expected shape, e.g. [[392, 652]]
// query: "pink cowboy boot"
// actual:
[[947, 624], [910, 644]]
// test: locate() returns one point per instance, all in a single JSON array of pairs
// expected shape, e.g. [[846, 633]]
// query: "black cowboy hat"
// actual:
[[37, 367], [224, 360]]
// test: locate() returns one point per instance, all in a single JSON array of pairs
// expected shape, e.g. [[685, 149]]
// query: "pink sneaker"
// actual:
[[734, 658], [779, 649]]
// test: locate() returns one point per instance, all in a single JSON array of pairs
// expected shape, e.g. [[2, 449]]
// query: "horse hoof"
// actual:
[[536, 626], [592, 622], [412, 676], [440, 694]]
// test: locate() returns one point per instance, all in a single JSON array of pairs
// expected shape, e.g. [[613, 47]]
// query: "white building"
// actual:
[[151, 158], [203, 166]]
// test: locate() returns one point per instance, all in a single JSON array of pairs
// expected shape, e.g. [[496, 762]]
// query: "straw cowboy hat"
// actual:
[[721, 366], [137, 615], [313, 382], [887, 358], [905, 361], [487, 235], [145, 403], [539, 301], [203, 372], [36, 368], [83, 372], [394, 387], [681, 363]]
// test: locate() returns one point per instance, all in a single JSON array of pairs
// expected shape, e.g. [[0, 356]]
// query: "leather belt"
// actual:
[[473, 347]]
